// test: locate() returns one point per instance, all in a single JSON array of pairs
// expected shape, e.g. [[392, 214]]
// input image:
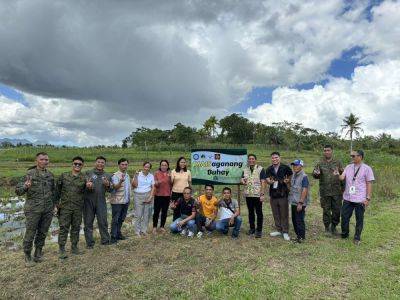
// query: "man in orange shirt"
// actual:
[[207, 211]]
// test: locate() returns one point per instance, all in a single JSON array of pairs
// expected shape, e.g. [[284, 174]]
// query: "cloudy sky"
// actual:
[[89, 72]]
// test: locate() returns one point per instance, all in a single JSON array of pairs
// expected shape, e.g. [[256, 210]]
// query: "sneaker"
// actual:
[[154, 231], [190, 234], [275, 234], [235, 236], [199, 235], [286, 237], [209, 232], [113, 241], [162, 230], [183, 232], [258, 234], [251, 232], [357, 242], [89, 246]]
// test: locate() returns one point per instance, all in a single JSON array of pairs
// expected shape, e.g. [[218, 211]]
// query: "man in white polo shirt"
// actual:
[[357, 195]]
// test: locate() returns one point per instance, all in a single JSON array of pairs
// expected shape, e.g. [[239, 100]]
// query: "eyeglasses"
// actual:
[[187, 193], [77, 164]]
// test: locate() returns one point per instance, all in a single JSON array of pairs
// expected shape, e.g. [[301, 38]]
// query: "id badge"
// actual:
[[275, 185], [352, 190]]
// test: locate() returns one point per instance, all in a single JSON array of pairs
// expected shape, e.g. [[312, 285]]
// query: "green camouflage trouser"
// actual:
[[331, 206], [37, 226], [69, 219]]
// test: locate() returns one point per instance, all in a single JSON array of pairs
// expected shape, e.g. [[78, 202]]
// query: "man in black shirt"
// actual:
[[186, 210], [278, 178]]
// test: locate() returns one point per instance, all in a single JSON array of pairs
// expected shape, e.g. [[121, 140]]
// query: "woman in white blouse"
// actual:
[[143, 184]]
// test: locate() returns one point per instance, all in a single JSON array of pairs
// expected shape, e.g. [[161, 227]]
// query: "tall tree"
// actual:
[[237, 129], [352, 126], [210, 126]]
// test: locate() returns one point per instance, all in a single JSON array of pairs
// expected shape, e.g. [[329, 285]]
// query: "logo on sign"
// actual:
[[195, 156]]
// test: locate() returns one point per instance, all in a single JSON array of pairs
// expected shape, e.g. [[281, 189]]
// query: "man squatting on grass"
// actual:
[[185, 209], [232, 207], [207, 209]]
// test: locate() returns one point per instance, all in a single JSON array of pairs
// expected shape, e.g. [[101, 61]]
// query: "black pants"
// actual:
[[298, 221], [254, 204], [347, 212], [174, 197], [161, 203], [118, 217]]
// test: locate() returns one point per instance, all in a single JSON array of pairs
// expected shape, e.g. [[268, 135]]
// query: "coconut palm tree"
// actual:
[[352, 126], [210, 126]]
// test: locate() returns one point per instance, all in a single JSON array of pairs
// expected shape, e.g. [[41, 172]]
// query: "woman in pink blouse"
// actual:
[[162, 178]]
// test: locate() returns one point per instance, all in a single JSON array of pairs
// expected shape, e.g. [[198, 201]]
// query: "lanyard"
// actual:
[[356, 173]]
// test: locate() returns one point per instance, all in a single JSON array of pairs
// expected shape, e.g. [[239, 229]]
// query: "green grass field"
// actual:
[[166, 266]]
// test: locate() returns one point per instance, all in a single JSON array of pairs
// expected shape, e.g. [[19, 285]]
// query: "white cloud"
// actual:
[[373, 94], [157, 63]]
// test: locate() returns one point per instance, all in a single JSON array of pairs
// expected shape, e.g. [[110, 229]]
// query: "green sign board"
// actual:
[[217, 166]]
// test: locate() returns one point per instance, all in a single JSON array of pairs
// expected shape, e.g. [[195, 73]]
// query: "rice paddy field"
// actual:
[[215, 267]]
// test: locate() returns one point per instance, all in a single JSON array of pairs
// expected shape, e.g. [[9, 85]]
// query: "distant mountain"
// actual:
[[40, 143], [15, 141], [22, 141]]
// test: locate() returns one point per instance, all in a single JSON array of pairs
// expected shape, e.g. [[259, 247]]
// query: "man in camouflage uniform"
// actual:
[[39, 187], [70, 190], [99, 182], [330, 189]]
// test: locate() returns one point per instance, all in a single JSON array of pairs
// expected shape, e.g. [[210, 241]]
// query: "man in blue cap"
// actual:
[[299, 198]]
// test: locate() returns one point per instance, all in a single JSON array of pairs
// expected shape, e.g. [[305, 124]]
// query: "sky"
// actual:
[[90, 72]]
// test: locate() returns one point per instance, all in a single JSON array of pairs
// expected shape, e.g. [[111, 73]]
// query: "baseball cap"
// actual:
[[297, 162]]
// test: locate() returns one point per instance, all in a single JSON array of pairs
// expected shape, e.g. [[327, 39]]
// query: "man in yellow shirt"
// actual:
[[207, 211]]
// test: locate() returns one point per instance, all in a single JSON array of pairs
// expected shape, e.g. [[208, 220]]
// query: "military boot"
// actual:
[[28, 259], [38, 255], [75, 250], [61, 253]]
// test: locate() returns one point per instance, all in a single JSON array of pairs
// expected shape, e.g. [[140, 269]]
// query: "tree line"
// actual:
[[238, 130]]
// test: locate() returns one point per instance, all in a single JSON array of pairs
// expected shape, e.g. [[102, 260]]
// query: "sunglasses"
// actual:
[[78, 164], [352, 156]]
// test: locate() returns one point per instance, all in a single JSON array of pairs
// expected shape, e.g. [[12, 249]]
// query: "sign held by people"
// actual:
[[218, 166]]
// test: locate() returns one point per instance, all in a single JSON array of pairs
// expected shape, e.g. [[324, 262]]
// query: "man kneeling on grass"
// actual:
[[207, 211], [185, 224], [229, 214], [298, 199]]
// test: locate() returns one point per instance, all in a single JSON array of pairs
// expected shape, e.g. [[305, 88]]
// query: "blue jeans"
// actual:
[[191, 225], [223, 226]]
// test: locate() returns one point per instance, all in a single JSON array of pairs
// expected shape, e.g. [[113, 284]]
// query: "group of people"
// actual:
[[75, 194]]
